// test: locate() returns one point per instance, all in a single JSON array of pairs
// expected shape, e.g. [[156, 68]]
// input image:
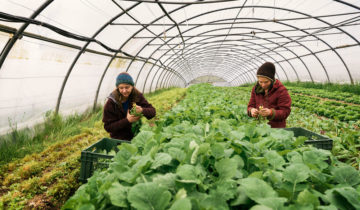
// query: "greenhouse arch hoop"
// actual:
[[65, 59]]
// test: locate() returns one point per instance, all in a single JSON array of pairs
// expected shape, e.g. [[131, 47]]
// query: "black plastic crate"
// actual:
[[318, 141], [92, 159]]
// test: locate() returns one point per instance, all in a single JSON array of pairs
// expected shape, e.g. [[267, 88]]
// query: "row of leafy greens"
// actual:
[[206, 153]]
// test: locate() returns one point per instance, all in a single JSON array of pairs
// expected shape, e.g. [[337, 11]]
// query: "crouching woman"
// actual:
[[116, 117], [269, 98]]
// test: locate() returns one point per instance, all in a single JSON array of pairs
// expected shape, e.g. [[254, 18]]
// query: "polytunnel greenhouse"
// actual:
[[180, 104]]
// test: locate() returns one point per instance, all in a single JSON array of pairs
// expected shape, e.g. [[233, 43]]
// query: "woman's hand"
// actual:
[[254, 112], [138, 109], [131, 118], [265, 112]]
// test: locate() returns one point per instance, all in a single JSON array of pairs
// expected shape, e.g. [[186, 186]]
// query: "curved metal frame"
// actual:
[[80, 53], [225, 60], [144, 27], [170, 40], [256, 50], [19, 32], [284, 47], [235, 63], [174, 72], [177, 2], [304, 32], [233, 49], [166, 43], [199, 53], [330, 47]]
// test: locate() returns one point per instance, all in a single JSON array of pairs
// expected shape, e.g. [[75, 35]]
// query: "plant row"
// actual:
[[336, 95], [329, 109], [346, 134], [308, 100], [45, 180], [206, 153], [330, 87]]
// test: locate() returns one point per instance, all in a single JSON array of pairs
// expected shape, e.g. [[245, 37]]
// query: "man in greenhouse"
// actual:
[[124, 108], [269, 98]]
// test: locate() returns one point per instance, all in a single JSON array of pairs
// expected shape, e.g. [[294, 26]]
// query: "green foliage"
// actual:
[[55, 128], [181, 204], [149, 196], [135, 127], [306, 197], [133, 112], [346, 175], [344, 198], [354, 89], [52, 174], [18, 143], [319, 104], [217, 158], [296, 173]]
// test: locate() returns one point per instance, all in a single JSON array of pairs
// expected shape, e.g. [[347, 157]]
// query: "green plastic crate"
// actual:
[[92, 159], [318, 141]]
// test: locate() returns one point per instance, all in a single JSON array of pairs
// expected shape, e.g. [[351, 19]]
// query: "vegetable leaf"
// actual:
[[296, 173], [226, 168], [161, 159], [306, 197], [118, 194], [256, 188], [149, 196], [346, 175], [344, 198], [275, 159], [182, 204], [187, 173]]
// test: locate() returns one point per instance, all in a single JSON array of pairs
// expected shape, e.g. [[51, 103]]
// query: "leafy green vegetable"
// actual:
[[149, 196], [306, 197], [346, 175], [260, 207], [219, 158], [256, 189], [133, 112], [296, 173], [161, 159], [274, 159], [166, 180], [226, 168], [187, 173], [118, 194], [182, 204], [344, 198], [316, 158]]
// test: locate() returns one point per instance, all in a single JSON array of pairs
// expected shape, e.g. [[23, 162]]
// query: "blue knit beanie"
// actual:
[[124, 78]]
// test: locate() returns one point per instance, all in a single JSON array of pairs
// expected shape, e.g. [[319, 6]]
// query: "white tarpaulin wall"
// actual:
[[64, 55]]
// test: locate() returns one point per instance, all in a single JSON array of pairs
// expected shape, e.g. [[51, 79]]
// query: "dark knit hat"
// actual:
[[124, 78], [267, 70]]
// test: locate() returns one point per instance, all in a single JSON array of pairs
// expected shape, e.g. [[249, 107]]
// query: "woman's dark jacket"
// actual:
[[277, 99], [114, 117]]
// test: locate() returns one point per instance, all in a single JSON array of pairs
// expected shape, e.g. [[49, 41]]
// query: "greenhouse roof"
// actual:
[[58, 55]]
